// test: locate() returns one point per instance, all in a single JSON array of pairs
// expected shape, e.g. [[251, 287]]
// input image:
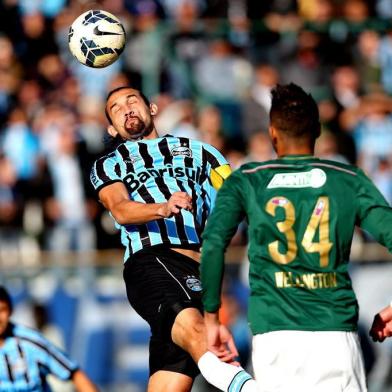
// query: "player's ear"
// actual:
[[272, 132], [273, 136], [153, 109], [112, 131]]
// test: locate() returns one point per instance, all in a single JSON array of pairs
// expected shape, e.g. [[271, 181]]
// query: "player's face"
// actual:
[[5, 315], [131, 117]]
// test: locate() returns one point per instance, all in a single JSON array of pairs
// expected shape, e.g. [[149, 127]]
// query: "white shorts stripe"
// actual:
[[164, 266]]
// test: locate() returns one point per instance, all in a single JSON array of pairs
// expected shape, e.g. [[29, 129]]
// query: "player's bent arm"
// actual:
[[221, 226], [115, 198], [374, 212], [82, 382]]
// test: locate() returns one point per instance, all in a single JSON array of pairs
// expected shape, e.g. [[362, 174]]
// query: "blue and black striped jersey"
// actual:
[[26, 358], [152, 170]]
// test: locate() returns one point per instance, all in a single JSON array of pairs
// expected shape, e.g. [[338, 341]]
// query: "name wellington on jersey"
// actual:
[[321, 280], [136, 180]]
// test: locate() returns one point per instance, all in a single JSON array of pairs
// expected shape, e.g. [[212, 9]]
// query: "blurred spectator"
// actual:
[[317, 11], [47, 8], [8, 197], [38, 40], [385, 53], [260, 148], [222, 78], [10, 75], [51, 73], [367, 61], [21, 146], [209, 122], [187, 42], [327, 148], [384, 8], [304, 67], [144, 53], [30, 97], [371, 124], [329, 118], [382, 177], [186, 125], [355, 11], [53, 334], [346, 87], [222, 75], [255, 109], [70, 208]]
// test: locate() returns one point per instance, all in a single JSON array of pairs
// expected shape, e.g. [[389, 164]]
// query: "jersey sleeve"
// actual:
[[374, 214], [217, 166], [105, 171], [58, 363], [52, 360], [221, 226]]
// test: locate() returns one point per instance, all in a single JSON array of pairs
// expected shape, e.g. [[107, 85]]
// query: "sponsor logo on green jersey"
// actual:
[[314, 178]]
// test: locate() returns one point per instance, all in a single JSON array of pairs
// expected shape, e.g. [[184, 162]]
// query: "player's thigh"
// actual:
[[160, 284], [308, 361], [164, 381]]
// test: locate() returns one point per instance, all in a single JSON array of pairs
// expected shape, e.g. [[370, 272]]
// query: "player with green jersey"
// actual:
[[301, 213]]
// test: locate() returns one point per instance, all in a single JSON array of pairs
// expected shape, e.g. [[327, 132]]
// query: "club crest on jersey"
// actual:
[[193, 283], [181, 150], [314, 178]]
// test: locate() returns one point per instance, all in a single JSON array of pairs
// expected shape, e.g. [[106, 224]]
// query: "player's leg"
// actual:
[[189, 333], [148, 285], [163, 381]]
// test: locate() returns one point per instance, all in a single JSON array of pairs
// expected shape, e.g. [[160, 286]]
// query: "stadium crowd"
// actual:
[[210, 67]]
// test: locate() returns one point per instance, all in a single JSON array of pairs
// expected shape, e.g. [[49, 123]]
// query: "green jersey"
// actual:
[[301, 213]]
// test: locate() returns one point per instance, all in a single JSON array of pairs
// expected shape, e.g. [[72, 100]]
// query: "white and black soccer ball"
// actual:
[[96, 38]]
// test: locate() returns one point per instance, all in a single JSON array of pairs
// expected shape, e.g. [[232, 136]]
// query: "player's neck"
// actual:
[[294, 150], [152, 135]]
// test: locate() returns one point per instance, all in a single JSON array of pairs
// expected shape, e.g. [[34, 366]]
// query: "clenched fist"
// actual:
[[173, 206]]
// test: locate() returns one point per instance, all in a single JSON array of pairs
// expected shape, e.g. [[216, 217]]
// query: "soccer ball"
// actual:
[[96, 38]]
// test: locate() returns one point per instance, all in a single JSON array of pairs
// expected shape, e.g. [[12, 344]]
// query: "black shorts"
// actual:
[[161, 283]]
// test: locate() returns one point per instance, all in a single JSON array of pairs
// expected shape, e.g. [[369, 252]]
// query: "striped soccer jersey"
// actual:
[[26, 358], [152, 170]]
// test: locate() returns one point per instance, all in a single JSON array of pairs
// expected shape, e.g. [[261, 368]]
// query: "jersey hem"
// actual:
[[326, 329], [165, 245]]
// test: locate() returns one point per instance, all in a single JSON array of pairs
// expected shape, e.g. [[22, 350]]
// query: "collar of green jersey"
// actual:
[[297, 156]]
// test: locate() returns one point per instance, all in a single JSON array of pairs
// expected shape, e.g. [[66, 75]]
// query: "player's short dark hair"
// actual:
[[294, 112], [5, 297], [145, 99]]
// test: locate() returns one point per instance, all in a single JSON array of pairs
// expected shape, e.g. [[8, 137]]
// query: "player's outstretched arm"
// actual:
[[83, 383], [116, 199], [382, 325]]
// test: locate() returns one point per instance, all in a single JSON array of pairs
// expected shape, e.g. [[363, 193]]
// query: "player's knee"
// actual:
[[188, 329]]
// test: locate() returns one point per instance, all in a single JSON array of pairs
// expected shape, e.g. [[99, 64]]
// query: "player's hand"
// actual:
[[382, 325], [220, 341], [173, 206]]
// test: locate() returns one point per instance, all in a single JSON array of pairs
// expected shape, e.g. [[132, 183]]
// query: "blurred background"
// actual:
[[210, 66]]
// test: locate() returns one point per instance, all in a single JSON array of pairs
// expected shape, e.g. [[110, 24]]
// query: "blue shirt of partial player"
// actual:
[[26, 358], [152, 170]]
